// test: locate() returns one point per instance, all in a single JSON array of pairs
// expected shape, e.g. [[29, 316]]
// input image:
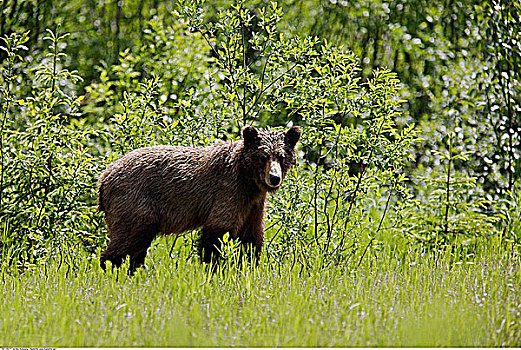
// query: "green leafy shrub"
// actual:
[[47, 173], [449, 213], [179, 59], [477, 98], [352, 149]]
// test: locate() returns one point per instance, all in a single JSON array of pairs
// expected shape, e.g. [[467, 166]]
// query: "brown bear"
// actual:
[[171, 189]]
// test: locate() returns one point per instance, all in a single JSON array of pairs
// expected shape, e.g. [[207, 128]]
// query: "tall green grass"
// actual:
[[406, 300]]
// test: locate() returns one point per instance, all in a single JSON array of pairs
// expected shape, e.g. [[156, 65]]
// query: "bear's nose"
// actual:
[[273, 175], [274, 180]]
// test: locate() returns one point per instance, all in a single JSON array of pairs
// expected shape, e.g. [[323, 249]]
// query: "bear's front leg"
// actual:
[[209, 244], [252, 234]]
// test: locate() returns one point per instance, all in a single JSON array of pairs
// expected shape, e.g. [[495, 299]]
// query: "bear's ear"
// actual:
[[292, 136], [250, 135]]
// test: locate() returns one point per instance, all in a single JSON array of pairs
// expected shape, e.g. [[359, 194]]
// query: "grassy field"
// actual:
[[393, 300]]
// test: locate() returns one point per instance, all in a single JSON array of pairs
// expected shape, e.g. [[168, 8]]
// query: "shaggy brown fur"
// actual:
[[168, 190]]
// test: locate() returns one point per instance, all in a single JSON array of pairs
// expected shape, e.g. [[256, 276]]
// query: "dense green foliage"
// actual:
[[458, 61], [403, 215]]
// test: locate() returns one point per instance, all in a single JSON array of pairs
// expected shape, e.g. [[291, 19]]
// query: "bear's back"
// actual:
[[158, 175]]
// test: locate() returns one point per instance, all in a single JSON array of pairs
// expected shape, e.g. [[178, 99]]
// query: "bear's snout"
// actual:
[[274, 174]]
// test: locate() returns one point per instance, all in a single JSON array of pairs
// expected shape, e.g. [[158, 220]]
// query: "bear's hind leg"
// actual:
[[140, 241], [135, 244], [113, 253]]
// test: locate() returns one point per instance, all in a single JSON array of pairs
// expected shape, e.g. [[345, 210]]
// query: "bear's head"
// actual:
[[269, 154]]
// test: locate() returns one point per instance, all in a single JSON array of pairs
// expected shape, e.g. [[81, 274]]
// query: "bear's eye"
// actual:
[[263, 158]]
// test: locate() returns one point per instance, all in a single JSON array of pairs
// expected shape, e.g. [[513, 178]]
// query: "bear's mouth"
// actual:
[[271, 187]]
